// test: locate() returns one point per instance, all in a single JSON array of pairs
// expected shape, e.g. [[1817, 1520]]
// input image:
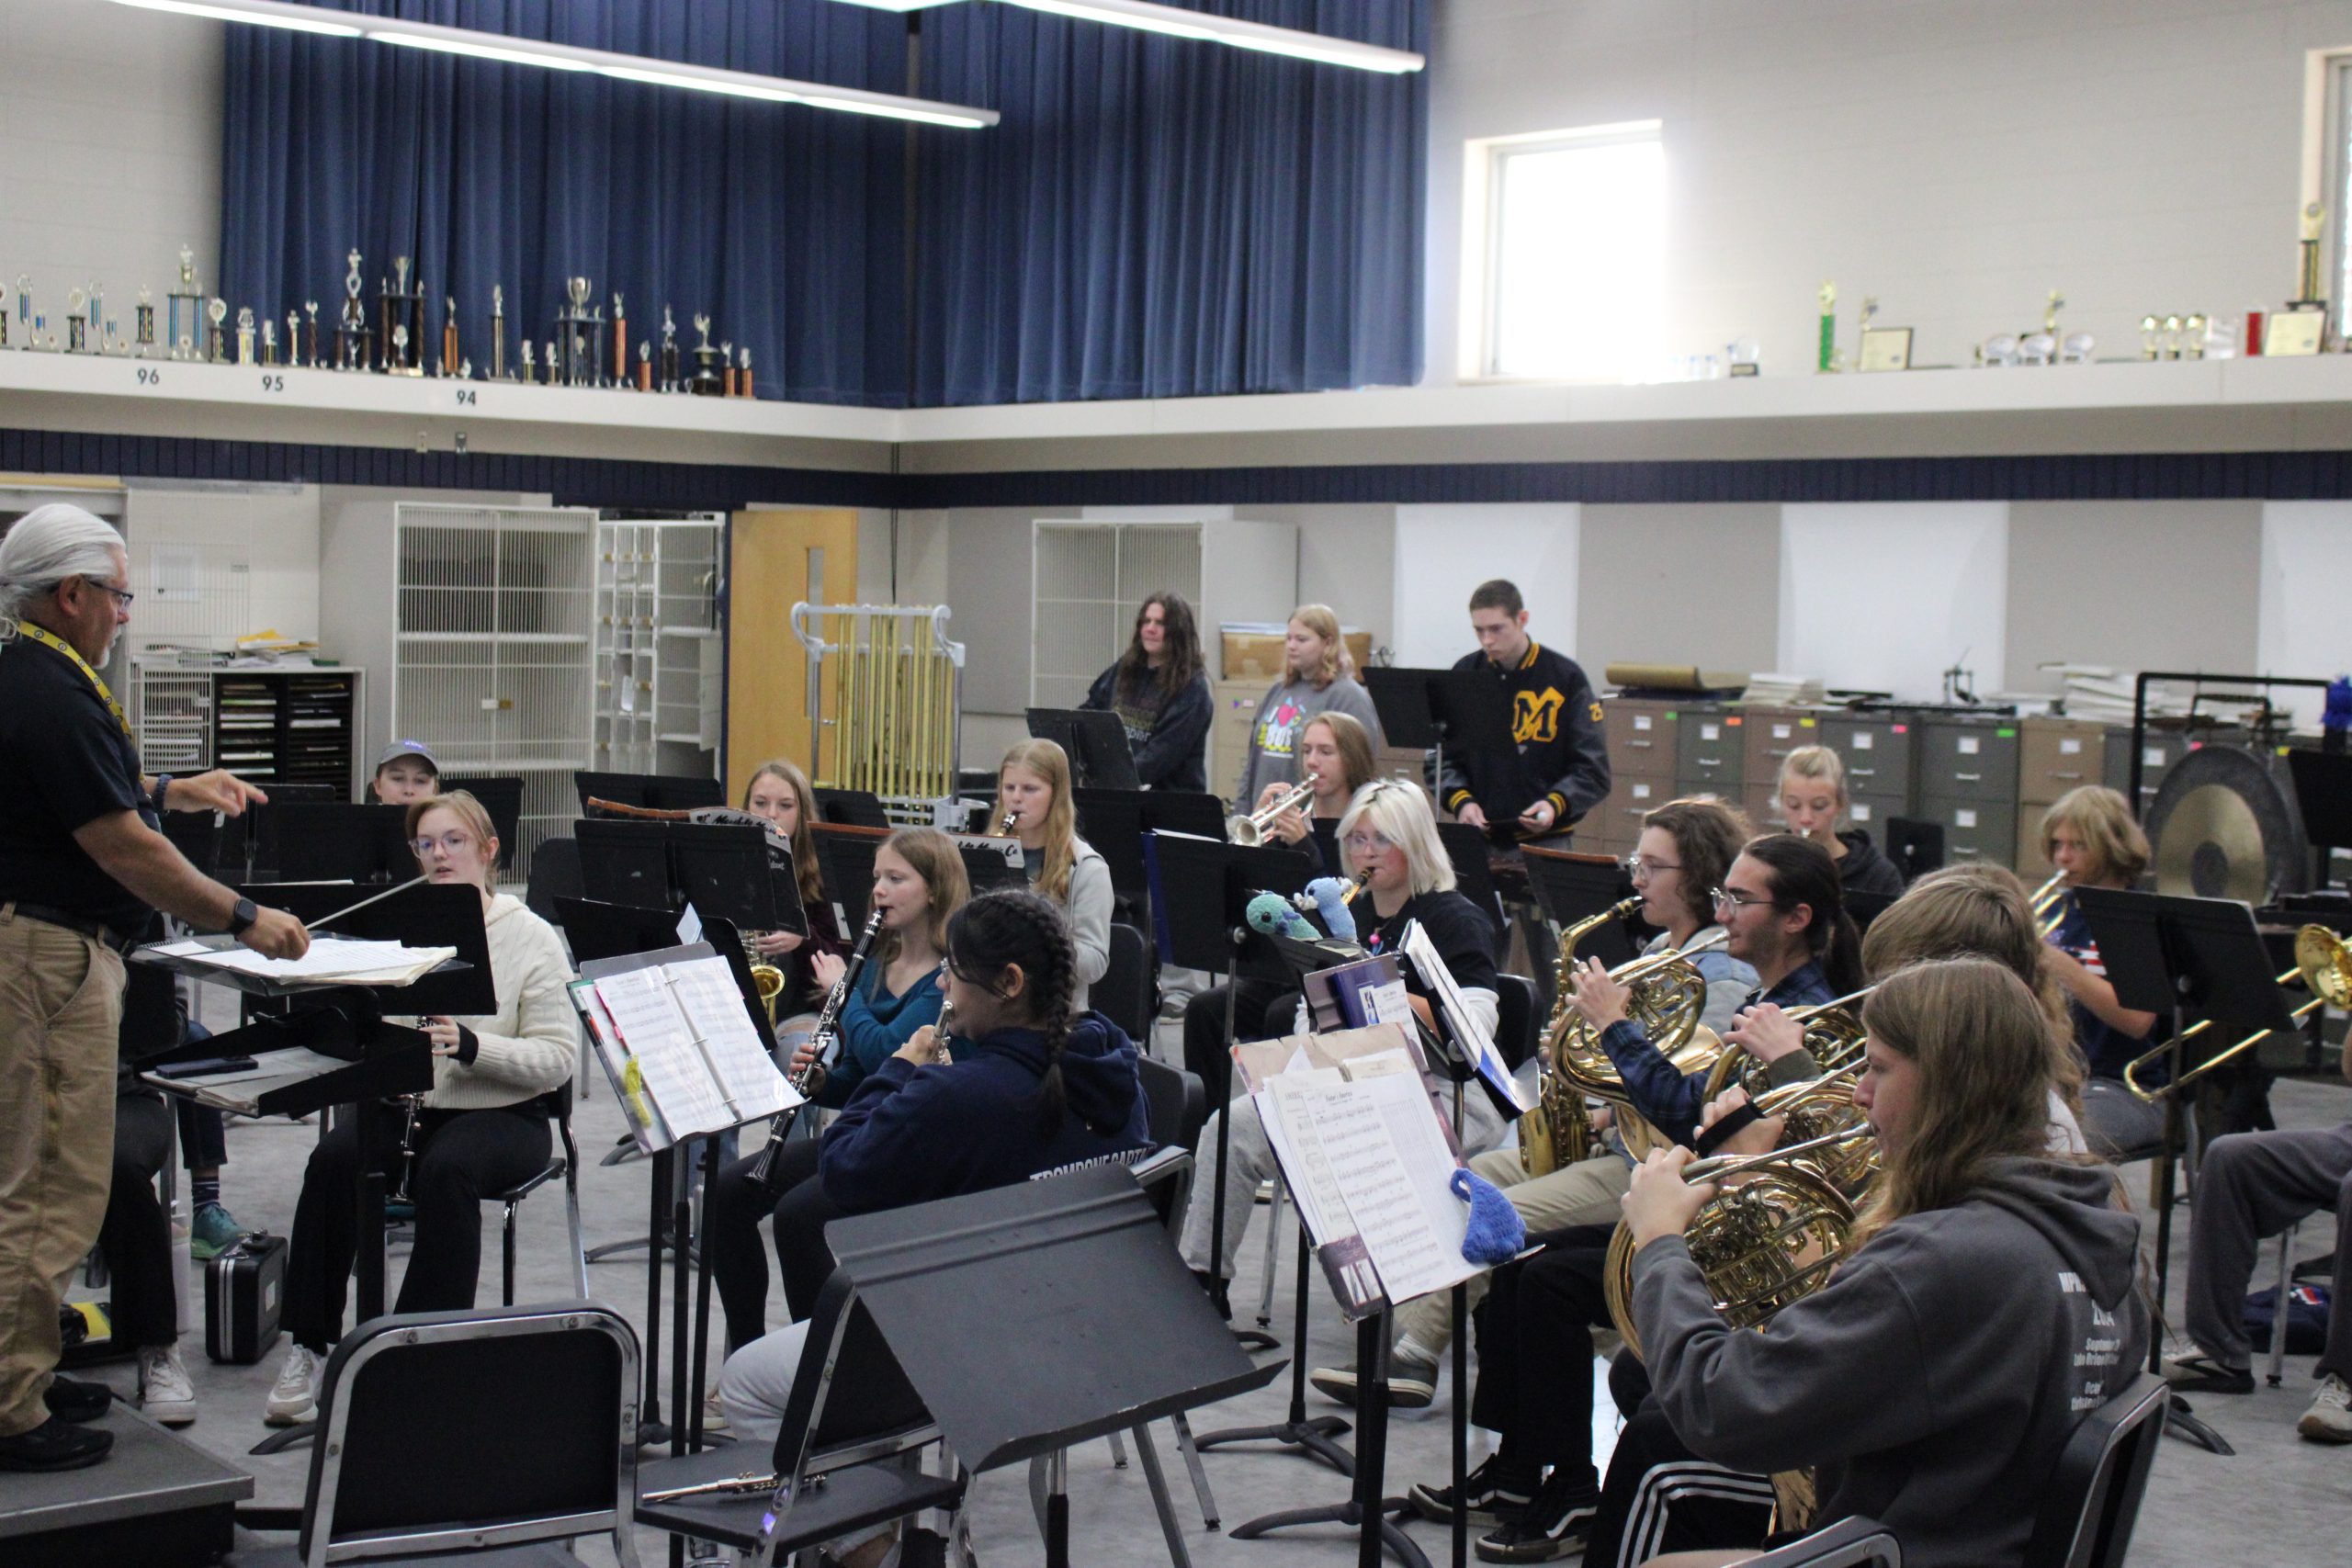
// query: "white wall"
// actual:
[[2306, 560], [1957, 160], [109, 152], [1887, 597], [1444, 552]]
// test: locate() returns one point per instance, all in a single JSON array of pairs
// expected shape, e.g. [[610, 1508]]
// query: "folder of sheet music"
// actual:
[[671, 1033]]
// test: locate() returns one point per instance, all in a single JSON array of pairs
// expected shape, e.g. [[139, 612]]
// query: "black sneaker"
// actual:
[[2202, 1374], [1552, 1526], [70, 1400], [55, 1444], [1496, 1493]]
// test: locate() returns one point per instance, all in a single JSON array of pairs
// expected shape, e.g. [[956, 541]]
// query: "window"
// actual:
[[1575, 252], [2333, 120]]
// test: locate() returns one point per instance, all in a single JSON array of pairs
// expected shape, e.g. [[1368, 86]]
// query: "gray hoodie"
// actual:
[[1936, 1377]]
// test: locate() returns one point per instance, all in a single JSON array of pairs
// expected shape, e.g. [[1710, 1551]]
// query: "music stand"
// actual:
[[719, 867], [501, 797], [2174, 956], [1571, 887], [308, 841], [2323, 795], [1134, 1339], [852, 807], [1433, 709], [659, 792], [1094, 740], [1111, 820], [1915, 847], [1473, 874]]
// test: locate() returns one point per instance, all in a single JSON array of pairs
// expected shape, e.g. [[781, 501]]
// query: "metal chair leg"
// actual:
[[1118, 1452], [1162, 1503], [1274, 1253], [1201, 1493], [2279, 1310], [571, 1219]]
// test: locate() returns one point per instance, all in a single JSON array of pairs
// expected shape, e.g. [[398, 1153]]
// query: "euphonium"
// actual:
[[1558, 1132], [1250, 832], [1833, 1038], [2322, 963]]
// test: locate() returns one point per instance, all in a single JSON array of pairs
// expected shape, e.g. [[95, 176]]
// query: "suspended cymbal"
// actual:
[[2225, 827]]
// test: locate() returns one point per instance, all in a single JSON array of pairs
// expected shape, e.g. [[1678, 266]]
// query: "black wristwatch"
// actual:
[[242, 917], [155, 797]]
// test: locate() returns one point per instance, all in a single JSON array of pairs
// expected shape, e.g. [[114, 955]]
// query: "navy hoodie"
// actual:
[[910, 1134]]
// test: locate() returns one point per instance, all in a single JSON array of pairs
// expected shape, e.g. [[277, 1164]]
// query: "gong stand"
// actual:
[[2219, 864]]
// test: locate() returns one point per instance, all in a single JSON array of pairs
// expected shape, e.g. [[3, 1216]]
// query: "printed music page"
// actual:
[[1473, 1041], [705, 989], [654, 1034], [1393, 1175], [1287, 1111]]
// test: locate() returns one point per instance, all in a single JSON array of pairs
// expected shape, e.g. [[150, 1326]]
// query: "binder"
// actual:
[[683, 1058]]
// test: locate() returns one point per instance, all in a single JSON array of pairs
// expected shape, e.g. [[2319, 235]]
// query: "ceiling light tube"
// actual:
[[511, 50], [1176, 22]]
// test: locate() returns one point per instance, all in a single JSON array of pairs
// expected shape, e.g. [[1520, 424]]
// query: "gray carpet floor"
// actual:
[[2282, 1498]]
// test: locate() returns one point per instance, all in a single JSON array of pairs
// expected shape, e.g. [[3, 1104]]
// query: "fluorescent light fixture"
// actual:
[[1176, 22], [546, 56], [266, 16], [902, 6]]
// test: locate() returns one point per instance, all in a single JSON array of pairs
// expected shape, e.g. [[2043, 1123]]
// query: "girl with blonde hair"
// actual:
[[1033, 794], [2089, 836], [1814, 799], [1317, 677]]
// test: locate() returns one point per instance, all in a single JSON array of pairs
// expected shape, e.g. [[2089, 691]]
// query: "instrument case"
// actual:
[[244, 1291]]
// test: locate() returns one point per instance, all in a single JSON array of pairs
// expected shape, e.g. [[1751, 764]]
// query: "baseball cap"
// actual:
[[399, 749]]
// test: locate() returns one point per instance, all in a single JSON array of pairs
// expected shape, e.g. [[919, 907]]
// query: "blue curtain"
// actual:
[[783, 225], [1162, 218], [1153, 217]]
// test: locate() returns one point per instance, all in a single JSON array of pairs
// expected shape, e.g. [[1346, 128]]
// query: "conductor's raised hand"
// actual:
[[219, 790], [1659, 1204], [277, 934]]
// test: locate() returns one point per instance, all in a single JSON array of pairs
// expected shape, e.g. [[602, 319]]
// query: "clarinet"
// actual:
[[807, 1080]]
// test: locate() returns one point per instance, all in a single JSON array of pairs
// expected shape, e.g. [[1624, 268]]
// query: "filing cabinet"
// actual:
[[1770, 734], [1967, 781], [1614, 826], [2159, 750], [1877, 749], [1710, 749], [1641, 733], [2054, 756]]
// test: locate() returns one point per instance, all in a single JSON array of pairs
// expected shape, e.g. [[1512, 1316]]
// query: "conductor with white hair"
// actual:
[[84, 866]]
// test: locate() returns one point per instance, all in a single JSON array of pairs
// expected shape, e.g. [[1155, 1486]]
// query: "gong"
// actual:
[[2224, 825]]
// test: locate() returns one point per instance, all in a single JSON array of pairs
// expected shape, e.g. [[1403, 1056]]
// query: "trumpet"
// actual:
[[2324, 965], [1250, 832], [1833, 1038], [2049, 903]]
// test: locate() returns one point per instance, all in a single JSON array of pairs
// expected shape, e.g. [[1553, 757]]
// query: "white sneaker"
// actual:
[[164, 1391], [296, 1398], [2329, 1420]]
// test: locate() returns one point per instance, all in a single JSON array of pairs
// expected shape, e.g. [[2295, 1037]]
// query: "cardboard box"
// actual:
[[1236, 709], [1257, 652]]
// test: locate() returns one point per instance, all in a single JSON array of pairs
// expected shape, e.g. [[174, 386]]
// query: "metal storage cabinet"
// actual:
[[2057, 756], [1877, 750], [2160, 748], [1968, 783], [1641, 759], [1709, 759]]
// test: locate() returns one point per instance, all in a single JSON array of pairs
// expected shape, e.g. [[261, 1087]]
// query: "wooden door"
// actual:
[[776, 558]]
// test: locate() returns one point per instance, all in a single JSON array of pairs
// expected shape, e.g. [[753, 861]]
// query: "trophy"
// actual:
[[270, 343], [727, 369], [398, 356], [144, 321], [548, 356], [2050, 306], [1827, 361], [76, 337], [401, 304], [528, 377], [669, 352], [576, 330], [311, 333], [246, 335], [351, 330], [449, 355], [743, 376], [644, 365], [183, 308], [2037, 348], [293, 337], [3, 321], [620, 341], [216, 340], [497, 333], [707, 382], [2192, 343], [2307, 274]]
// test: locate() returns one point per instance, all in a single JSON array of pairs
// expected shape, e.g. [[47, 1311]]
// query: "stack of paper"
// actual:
[[2097, 692], [1767, 689], [332, 961]]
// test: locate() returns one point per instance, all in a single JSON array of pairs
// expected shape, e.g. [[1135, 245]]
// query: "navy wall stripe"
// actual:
[[677, 487]]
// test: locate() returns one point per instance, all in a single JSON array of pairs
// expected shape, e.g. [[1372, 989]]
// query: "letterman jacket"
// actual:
[[1562, 756]]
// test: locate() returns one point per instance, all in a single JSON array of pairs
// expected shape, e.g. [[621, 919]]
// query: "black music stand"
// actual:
[[1572, 887], [659, 792], [722, 868], [1094, 740], [852, 807], [348, 1023], [2323, 795], [2177, 956], [303, 842], [501, 797], [1433, 709], [1114, 821], [1134, 1339], [1474, 872]]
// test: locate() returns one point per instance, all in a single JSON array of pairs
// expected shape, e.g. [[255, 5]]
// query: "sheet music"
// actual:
[[650, 1028], [239, 1090], [1287, 1111], [1467, 1035], [1384, 1163], [347, 959], [705, 988]]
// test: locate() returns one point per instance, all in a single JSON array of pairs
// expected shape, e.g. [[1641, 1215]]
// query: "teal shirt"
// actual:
[[874, 1024]]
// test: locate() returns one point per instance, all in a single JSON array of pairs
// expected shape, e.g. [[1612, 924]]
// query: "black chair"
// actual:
[[1515, 1022], [2093, 1498], [530, 1416], [1123, 993], [1915, 847], [565, 1165], [555, 874], [1176, 1104], [1849, 1543], [851, 1432]]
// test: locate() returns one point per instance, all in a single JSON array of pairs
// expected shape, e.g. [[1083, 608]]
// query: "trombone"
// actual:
[[1250, 832], [2324, 965]]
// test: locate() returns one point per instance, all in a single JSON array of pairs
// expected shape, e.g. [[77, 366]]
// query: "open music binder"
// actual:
[[671, 1031], [1366, 1157]]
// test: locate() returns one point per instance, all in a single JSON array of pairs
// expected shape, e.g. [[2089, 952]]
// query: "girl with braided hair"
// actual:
[[1035, 1085]]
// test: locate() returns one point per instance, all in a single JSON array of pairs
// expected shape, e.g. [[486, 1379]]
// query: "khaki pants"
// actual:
[[61, 1007], [1585, 1193]]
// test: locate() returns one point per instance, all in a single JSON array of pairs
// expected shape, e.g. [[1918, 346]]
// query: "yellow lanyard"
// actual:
[[48, 638]]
